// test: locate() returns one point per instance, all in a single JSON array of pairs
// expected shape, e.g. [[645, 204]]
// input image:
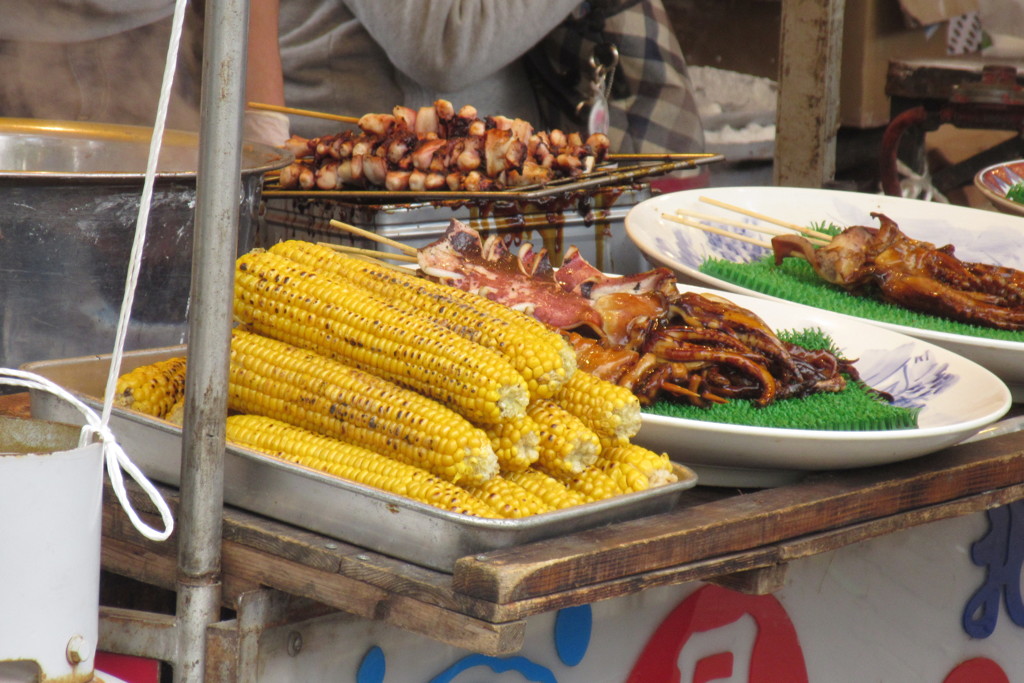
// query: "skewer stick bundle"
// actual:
[[768, 219], [302, 112], [754, 227], [370, 235], [694, 219], [717, 231], [369, 253]]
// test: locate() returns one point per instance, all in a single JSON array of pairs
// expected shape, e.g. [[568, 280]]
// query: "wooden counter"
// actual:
[[742, 539]]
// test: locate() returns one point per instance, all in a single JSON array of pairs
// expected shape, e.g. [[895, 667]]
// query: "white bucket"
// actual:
[[50, 527], [51, 506]]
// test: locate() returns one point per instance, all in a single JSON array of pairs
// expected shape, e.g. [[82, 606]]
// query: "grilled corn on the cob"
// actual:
[[610, 410], [509, 499], [539, 353], [553, 492], [176, 414], [657, 466], [592, 482], [272, 378], [566, 444], [515, 442], [627, 476], [334, 457], [278, 298], [152, 389]]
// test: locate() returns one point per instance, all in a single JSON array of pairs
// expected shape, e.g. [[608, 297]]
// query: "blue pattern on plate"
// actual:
[[912, 379], [692, 246]]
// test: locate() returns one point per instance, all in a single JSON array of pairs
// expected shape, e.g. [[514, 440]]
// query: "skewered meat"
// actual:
[[437, 148], [639, 331], [298, 174], [914, 274], [461, 259]]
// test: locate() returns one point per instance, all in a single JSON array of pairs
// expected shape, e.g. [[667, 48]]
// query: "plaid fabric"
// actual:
[[651, 102]]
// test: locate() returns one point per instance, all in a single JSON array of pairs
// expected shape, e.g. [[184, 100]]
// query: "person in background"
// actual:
[[618, 60], [98, 61], [103, 61], [365, 56]]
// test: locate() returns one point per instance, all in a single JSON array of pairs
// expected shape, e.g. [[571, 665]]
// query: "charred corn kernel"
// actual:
[[627, 476], [592, 482], [566, 444], [354, 463], [272, 378], [540, 354], [610, 410], [278, 298], [657, 466], [515, 442], [553, 492], [152, 389], [509, 499]]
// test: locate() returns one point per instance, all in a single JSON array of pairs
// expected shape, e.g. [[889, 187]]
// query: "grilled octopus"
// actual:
[[709, 350], [914, 274], [640, 330]]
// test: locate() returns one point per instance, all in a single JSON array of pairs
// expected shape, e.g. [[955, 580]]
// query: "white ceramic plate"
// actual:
[[978, 235], [957, 398], [996, 180]]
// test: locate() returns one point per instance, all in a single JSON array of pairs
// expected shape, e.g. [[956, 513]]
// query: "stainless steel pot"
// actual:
[[69, 200]]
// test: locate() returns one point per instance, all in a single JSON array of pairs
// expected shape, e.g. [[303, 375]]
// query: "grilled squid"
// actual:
[[914, 274]]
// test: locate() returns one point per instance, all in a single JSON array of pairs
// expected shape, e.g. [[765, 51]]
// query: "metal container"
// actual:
[[50, 519], [69, 201], [592, 220], [365, 516]]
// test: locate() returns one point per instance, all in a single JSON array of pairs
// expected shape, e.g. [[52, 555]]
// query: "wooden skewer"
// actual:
[[370, 253], [717, 231], [766, 229], [403, 248], [769, 219], [668, 156], [302, 112]]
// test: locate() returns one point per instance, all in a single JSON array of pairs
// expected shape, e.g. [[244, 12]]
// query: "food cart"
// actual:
[[904, 570], [900, 571]]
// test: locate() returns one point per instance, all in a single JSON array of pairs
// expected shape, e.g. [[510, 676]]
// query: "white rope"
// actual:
[[114, 455], [142, 220]]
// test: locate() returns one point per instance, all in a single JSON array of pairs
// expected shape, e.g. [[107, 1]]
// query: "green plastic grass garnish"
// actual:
[[1016, 193], [795, 280], [856, 408]]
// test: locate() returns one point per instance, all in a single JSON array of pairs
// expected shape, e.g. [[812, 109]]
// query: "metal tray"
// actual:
[[361, 515]]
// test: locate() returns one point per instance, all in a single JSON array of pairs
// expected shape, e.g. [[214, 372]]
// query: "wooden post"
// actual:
[[807, 116]]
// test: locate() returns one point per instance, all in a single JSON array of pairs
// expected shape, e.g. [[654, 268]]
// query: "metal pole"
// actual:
[[213, 255]]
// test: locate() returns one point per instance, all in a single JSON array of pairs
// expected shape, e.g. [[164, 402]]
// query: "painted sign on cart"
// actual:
[[938, 603]]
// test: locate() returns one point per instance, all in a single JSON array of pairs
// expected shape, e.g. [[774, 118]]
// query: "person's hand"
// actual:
[[266, 127]]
